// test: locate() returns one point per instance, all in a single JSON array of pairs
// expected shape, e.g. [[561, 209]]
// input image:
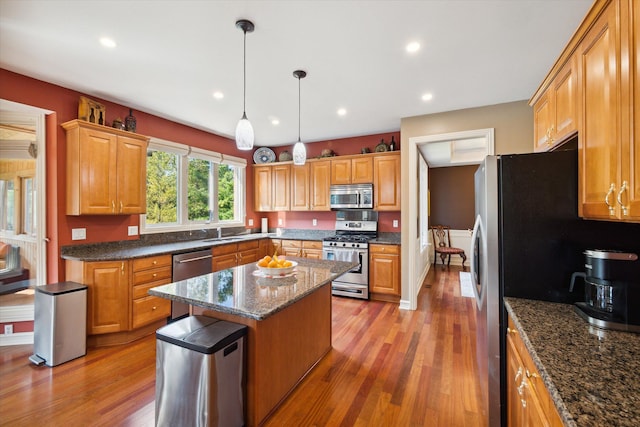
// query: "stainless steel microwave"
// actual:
[[351, 196]]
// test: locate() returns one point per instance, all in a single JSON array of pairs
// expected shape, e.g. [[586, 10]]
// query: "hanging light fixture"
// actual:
[[244, 130], [299, 150]]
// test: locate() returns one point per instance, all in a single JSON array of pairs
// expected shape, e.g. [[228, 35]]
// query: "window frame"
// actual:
[[184, 153]]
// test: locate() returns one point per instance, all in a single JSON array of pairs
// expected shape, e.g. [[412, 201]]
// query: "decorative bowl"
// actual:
[[275, 272]]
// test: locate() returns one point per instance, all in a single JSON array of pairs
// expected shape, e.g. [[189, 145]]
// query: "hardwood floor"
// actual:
[[388, 367]]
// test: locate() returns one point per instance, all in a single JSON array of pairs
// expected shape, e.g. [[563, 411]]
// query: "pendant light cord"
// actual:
[[244, 75], [299, 109]]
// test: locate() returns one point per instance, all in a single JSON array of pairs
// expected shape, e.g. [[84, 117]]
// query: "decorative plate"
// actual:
[[264, 155]]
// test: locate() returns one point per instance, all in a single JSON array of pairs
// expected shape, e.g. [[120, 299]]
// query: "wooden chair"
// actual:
[[442, 246]]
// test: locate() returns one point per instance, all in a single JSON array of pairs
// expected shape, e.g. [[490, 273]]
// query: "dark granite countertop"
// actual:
[[240, 291], [131, 249], [593, 375]]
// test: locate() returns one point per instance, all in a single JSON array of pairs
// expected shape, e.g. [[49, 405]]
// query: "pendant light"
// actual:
[[299, 150], [244, 130]]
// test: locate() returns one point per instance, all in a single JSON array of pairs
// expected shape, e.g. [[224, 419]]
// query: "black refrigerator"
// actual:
[[527, 241]]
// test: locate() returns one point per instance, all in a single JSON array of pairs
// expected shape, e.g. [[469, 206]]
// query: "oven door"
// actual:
[[354, 283]]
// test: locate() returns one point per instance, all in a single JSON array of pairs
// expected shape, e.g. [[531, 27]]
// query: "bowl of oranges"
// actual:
[[274, 266]]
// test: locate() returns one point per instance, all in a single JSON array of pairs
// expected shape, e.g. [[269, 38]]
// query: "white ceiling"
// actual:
[[172, 55]]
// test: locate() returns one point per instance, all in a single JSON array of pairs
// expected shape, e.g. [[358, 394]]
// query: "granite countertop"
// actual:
[[131, 249], [593, 375], [240, 291]]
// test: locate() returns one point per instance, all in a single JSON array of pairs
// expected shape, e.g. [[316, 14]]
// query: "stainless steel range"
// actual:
[[354, 229]]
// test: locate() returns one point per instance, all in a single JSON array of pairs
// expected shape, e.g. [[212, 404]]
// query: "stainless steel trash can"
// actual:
[[200, 373], [60, 323]]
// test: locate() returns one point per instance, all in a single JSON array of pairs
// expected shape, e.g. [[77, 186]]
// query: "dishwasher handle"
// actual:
[[184, 261]]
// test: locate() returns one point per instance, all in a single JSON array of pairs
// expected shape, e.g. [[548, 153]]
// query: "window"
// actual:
[[8, 205], [191, 188], [29, 219]]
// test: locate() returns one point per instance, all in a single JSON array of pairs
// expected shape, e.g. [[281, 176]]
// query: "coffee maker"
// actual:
[[611, 290]]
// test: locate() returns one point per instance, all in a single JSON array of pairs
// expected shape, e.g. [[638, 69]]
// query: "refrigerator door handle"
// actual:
[[479, 295]]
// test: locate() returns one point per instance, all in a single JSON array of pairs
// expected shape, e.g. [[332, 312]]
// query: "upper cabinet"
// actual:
[[603, 105], [555, 115], [608, 146], [355, 170], [386, 181], [271, 187], [106, 170], [320, 175]]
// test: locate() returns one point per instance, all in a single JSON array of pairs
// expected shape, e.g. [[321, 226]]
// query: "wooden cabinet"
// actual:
[[146, 274], [319, 183], [300, 187], [106, 170], [555, 113], [272, 187], [609, 182], [528, 400], [234, 254], [386, 181], [384, 272], [354, 170], [108, 302]]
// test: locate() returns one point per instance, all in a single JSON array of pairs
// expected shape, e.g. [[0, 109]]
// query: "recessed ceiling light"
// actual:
[[107, 42], [427, 97], [342, 112], [218, 95], [413, 47], [275, 122]]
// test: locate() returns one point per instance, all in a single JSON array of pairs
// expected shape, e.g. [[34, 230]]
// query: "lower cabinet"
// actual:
[[384, 272], [148, 273], [108, 293], [528, 401], [301, 248]]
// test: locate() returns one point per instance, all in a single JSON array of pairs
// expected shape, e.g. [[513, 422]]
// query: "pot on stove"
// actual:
[[612, 289]]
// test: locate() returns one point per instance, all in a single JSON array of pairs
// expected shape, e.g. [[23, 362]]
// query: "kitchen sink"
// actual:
[[223, 239]]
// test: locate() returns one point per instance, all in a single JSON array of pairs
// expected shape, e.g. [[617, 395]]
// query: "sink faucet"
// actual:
[[219, 232]]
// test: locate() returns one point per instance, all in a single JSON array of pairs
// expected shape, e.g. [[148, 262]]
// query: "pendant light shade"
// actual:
[[299, 150], [244, 130]]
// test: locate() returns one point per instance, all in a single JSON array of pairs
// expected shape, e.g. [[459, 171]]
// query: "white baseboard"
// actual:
[[19, 338], [405, 305]]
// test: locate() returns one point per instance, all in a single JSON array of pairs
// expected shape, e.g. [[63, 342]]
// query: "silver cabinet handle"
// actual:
[[612, 189], [622, 190]]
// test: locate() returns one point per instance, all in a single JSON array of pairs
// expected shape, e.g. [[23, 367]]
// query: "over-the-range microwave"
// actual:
[[351, 196]]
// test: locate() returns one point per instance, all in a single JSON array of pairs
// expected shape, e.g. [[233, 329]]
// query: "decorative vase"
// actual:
[[130, 122]]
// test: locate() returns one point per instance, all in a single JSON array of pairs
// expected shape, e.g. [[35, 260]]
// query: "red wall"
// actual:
[[64, 105]]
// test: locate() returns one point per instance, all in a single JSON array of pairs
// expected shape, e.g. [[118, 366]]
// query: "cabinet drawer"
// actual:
[[150, 309], [291, 243], [152, 262], [152, 275], [311, 244], [251, 244], [224, 249], [384, 249], [141, 291]]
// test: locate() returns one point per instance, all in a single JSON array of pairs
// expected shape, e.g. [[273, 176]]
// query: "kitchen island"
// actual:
[[288, 320]]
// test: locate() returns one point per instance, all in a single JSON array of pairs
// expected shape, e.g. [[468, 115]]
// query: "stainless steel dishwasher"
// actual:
[[186, 266]]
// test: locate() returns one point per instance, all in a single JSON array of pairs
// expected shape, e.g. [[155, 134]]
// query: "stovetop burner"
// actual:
[[348, 238]]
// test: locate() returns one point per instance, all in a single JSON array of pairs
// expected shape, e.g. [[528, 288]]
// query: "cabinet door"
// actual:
[[515, 378], [107, 296], [340, 171], [320, 178], [362, 170], [222, 262], [542, 122], [386, 186], [312, 249], [262, 188], [132, 176], [384, 269], [248, 256], [631, 171], [564, 99], [300, 187], [280, 176], [98, 177], [599, 132]]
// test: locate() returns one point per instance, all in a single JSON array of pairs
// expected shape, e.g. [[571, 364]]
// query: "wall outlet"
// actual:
[[280, 221], [395, 223], [315, 222], [78, 233], [8, 329], [250, 222], [133, 230]]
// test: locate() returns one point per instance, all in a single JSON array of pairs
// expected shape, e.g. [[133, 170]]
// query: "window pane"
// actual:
[[226, 192], [198, 190], [29, 206], [9, 209], [162, 188]]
